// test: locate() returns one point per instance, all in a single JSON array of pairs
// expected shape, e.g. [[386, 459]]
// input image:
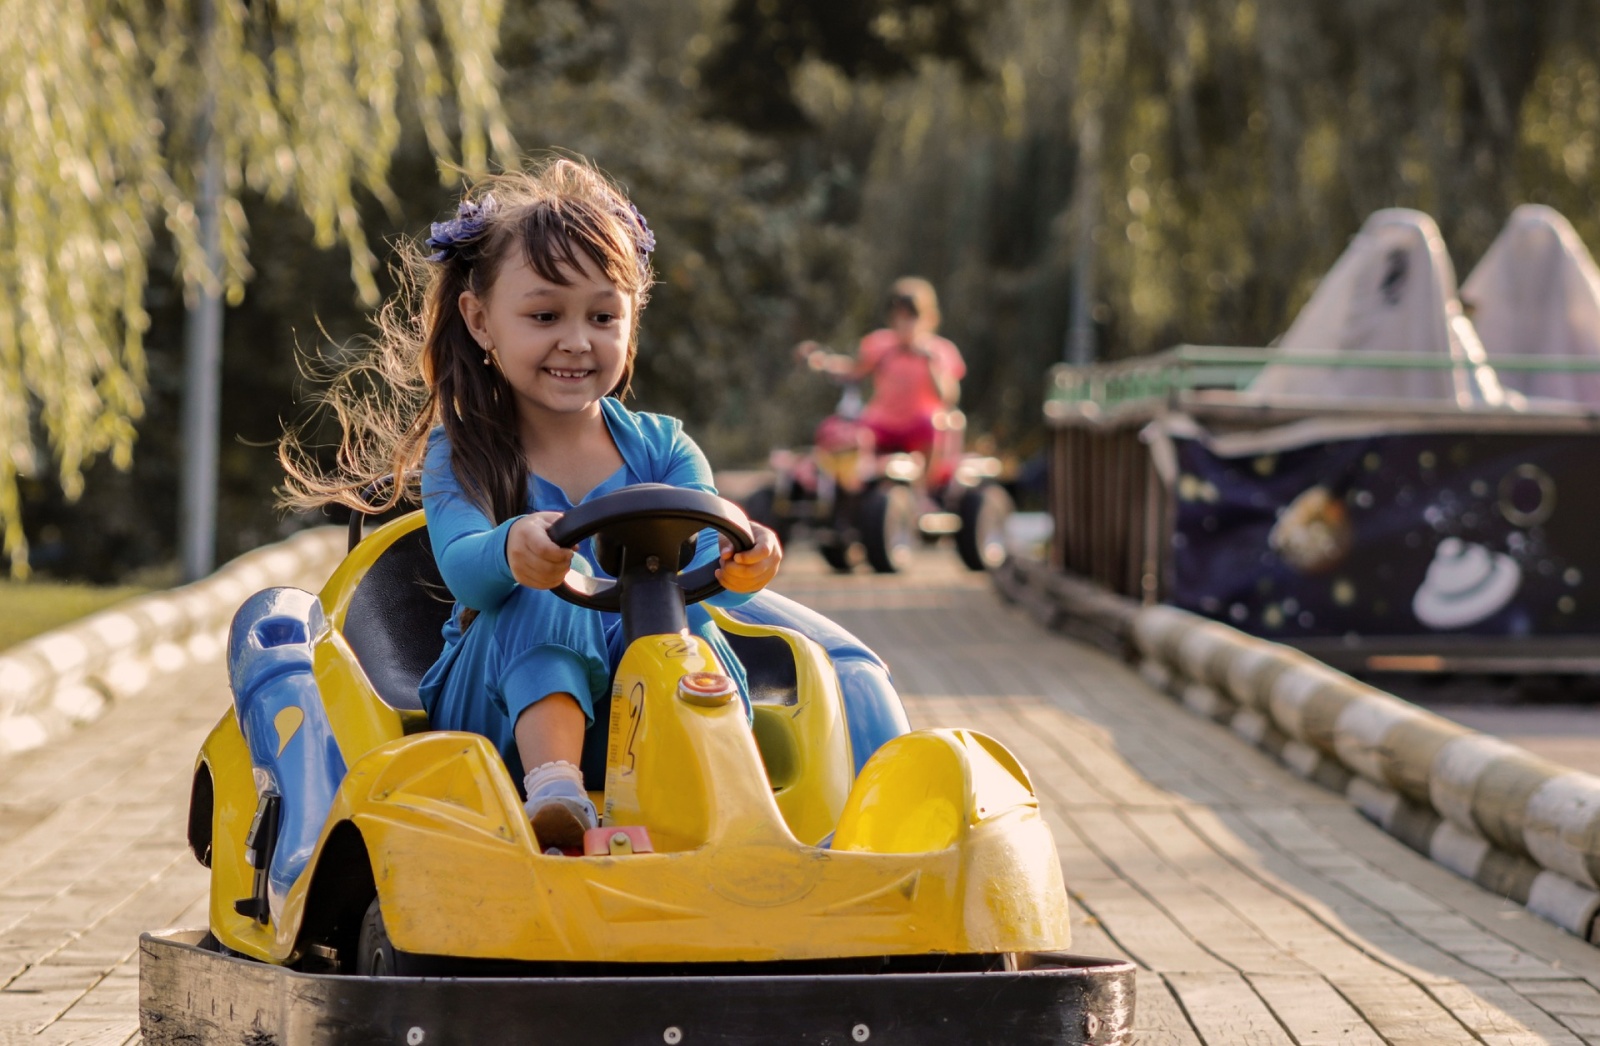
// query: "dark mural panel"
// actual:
[[1492, 534]]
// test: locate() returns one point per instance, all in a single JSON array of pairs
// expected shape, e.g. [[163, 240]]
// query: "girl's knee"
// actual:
[[536, 617]]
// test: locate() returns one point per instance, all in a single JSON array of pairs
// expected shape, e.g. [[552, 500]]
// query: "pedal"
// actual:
[[617, 841]]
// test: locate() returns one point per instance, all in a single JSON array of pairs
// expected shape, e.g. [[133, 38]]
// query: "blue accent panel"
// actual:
[[769, 608], [270, 669], [872, 707]]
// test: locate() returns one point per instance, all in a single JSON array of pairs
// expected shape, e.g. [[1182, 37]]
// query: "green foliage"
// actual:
[[103, 105], [28, 609], [1246, 140], [749, 77], [1203, 160]]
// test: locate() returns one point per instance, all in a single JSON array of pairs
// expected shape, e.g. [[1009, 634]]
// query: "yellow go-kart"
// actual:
[[823, 875]]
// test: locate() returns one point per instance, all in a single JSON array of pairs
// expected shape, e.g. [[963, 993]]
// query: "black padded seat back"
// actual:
[[768, 667], [394, 618]]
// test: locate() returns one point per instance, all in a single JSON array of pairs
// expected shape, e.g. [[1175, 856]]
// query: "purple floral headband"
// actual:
[[446, 239], [644, 240]]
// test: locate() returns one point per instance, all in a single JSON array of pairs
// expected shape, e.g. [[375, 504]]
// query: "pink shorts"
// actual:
[[902, 439]]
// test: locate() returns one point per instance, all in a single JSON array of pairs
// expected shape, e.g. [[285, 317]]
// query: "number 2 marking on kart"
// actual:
[[636, 716], [678, 648]]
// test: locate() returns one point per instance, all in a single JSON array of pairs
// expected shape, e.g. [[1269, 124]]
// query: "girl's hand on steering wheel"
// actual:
[[535, 560], [750, 571]]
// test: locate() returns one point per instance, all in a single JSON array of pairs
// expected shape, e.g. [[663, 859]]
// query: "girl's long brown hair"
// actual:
[[423, 367]]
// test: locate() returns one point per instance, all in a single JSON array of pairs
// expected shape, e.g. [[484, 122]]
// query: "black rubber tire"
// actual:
[[837, 557], [761, 507], [376, 955], [981, 539], [889, 527]]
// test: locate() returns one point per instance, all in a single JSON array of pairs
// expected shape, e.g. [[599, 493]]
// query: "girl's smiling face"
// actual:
[[561, 347]]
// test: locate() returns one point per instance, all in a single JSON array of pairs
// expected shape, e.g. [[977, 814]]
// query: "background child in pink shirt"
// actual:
[[915, 373]]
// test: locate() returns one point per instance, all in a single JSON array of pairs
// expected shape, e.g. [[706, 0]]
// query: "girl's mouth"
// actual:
[[570, 375]]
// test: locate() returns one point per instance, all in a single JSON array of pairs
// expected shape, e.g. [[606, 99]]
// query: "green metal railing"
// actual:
[[1189, 367]]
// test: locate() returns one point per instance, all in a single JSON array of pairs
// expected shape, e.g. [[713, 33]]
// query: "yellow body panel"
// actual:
[[938, 846], [359, 719], [805, 746]]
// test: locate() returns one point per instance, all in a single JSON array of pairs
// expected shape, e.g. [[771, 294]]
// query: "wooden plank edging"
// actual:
[[1516, 824]]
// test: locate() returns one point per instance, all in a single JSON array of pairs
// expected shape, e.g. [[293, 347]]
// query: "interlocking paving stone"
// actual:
[[1261, 908]]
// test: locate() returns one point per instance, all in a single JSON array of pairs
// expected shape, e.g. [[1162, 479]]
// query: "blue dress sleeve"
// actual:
[[687, 467], [469, 548]]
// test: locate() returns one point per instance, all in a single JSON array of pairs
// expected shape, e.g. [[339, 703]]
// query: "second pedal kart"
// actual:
[[859, 504], [823, 875]]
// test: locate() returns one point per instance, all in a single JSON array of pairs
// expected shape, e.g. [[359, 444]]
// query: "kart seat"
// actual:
[[394, 619]]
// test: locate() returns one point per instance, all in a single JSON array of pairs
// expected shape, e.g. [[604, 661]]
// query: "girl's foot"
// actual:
[[558, 807]]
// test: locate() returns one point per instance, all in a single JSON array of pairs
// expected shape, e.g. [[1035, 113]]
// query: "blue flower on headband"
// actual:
[[646, 240], [447, 238]]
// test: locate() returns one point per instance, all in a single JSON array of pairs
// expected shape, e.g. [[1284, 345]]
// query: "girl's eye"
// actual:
[[604, 317], [543, 317]]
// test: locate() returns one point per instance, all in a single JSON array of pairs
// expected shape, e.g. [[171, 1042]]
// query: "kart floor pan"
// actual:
[[190, 993]]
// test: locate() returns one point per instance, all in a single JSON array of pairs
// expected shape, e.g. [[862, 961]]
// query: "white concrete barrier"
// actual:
[[54, 681], [1516, 824]]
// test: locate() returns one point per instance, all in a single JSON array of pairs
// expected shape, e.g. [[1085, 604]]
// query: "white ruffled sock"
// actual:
[[540, 777], [558, 807]]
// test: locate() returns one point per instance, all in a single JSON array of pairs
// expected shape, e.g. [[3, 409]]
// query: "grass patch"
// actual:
[[28, 608]]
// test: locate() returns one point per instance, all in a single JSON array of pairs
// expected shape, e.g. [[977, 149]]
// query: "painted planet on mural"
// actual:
[[1313, 535], [1465, 584]]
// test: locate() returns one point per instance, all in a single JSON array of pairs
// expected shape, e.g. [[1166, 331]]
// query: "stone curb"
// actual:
[[70, 675], [1514, 823]]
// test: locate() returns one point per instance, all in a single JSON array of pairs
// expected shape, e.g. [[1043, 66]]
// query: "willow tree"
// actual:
[[101, 106]]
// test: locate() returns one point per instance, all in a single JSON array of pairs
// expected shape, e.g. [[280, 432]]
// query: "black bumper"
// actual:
[[192, 994]]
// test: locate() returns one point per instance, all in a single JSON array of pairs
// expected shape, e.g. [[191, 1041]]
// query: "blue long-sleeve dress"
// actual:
[[528, 643]]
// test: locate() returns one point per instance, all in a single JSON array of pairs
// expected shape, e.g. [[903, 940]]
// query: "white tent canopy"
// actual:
[[1537, 293], [1392, 291]]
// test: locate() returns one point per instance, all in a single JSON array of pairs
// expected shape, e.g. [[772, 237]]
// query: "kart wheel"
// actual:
[[376, 955], [981, 539], [837, 557], [761, 507], [889, 527]]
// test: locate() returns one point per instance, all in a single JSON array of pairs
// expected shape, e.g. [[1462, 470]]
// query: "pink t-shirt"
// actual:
[[903, 389]]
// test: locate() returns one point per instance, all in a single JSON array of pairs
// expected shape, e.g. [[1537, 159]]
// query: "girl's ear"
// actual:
[[475, 316]]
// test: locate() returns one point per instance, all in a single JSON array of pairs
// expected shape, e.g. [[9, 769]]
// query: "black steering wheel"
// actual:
[[644, 535]]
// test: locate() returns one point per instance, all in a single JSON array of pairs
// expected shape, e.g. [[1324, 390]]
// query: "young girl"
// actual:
[[512, 376]]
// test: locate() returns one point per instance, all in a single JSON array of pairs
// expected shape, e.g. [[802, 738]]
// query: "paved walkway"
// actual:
[[1261, 909]]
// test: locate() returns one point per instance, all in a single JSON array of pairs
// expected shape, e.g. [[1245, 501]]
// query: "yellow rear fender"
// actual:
[[928, 789], [962, 791]]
